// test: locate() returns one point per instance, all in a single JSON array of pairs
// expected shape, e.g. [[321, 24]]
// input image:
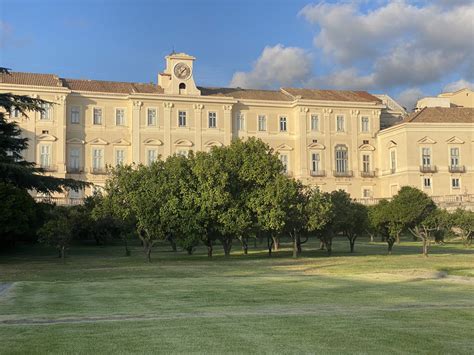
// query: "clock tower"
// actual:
[[177, 79]]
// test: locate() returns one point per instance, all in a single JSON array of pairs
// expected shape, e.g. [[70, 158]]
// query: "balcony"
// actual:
[[428, 169], [318, 173], [49, 168], [367, 174], [74, 170], [456, 169], [347, 173], [98, 171]]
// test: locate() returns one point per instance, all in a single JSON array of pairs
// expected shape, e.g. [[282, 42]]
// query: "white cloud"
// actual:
[[458, 85], [409, 97], [276, 66], [401, 44]]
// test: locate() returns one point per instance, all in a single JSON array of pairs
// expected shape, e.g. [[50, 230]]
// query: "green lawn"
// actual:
[[102, 302]]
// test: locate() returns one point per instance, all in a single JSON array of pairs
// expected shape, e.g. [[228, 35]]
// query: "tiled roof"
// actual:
[[33, 79], [250, 94], [442, 115], [332, 95], [111, 86]]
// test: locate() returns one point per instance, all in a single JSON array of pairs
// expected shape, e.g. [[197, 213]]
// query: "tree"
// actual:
[[379, 221], [427, 228], [463, 221], [14, 170], [57, 232], [319, 212]]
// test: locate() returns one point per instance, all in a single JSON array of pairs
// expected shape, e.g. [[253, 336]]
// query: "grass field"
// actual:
[[102, 302]]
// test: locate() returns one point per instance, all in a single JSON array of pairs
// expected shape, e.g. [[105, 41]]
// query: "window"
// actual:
[[340, 123], [240, 122], [75, 114], [151, 117], [97, 116], [393, 161], [45, 156], [119, 157], [427, 183], [74, 159], [454, 152], [15, 113], [119, 117], [212, 117], [455, 183], [364, 124], [45, 114], [181, 118], [341, 159], [283, 124], [97, 159], [182, 152], [262, 123], [426, 157], [284, 161], [366, 163], [152, 156], [367, 193], [314, 123], [315, 162]]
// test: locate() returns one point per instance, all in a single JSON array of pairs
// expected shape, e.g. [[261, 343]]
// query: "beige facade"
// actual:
[[460, 98], [327, 138]]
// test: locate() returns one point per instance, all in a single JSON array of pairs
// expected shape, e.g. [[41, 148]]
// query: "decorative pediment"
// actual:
[[366, 147], [427, 140], [183, 143], [98, 141], [152, 141], [121, 141], [316, 146], [391, 144], [46, 138], [283, 147], [455, 140], [213, 144], [75, 141]]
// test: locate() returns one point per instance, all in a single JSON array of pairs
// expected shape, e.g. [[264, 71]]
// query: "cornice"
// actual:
[[29, 88]]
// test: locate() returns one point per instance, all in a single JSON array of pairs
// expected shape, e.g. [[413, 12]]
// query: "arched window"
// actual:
[[341, 159], [182, 88]]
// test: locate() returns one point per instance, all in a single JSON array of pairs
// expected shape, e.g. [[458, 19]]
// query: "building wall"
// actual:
[[408, 140]]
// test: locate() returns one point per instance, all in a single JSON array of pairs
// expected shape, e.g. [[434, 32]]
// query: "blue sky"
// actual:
[[266, 44]]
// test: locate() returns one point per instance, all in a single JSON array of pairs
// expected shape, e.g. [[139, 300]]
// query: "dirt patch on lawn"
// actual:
[[4, 287]]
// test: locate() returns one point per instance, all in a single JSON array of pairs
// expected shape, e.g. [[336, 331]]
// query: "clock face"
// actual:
[[182, 71]]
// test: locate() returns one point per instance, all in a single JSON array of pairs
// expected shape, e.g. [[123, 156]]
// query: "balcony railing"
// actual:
[[60, 201], [98, 170], [428, 169], [347, 173], [49, 168], [367, 174], [456, 169], [72, 170], [318, 173]]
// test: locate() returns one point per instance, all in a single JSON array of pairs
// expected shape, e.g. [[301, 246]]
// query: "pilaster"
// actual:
[[168, 108], [198, 126], [354, 130], [328, 127], [61, 133], [137, 105], [301, 156], [227, 124]]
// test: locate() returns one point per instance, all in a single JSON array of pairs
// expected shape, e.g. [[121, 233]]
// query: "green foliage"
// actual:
[[57, 232], [463, 221]]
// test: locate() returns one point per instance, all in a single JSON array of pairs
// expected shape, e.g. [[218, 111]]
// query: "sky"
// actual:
[[405, 48]]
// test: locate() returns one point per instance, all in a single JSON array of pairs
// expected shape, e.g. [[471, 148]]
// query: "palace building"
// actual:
[[329, 138]]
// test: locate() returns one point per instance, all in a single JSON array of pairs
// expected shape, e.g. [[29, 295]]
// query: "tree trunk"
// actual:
[[390, 243], [63, 253], [398, 238], [322, 245], [147, 246], [352, 243], [127, 251], [227, 245], [270, 245], [328, 244], [276, 243], [173, 244], [190, 250], [295, 246], [209, 249], [371, 237], [245, 246]]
